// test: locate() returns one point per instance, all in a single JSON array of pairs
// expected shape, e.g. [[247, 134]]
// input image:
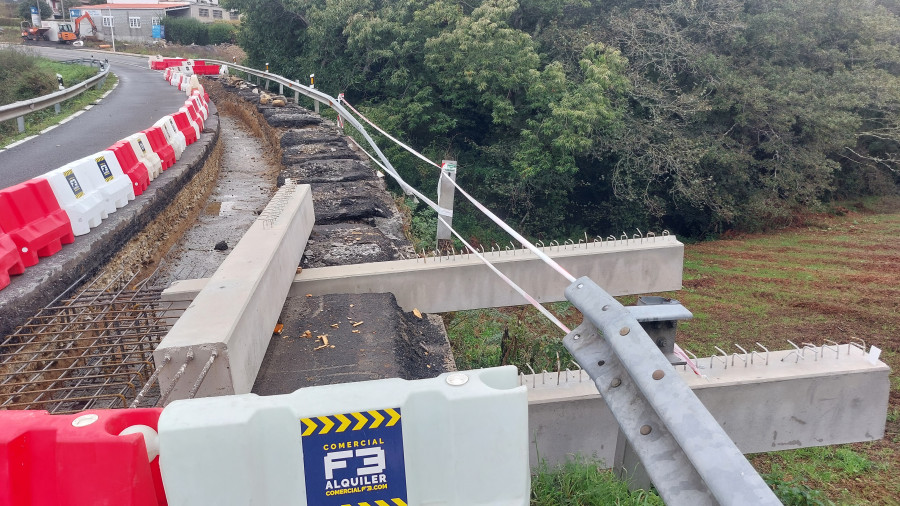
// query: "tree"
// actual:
[[26, 5], [572, 116]]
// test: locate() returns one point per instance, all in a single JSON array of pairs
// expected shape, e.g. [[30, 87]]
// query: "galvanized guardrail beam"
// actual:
[[18, 110], [685, 452]]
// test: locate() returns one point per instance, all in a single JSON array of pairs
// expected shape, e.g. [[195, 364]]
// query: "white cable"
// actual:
[[508, 281], [376, 127], [525, 242]]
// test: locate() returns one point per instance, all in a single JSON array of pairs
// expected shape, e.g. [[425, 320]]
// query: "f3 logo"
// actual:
[[372, 461]]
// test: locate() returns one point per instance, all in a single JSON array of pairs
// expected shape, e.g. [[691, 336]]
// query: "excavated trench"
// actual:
[[92, 348]]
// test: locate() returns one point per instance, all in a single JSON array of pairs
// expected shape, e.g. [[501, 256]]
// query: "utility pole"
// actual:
[[112, 29]]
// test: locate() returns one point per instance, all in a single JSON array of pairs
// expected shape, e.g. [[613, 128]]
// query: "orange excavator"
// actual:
[[66, 34]]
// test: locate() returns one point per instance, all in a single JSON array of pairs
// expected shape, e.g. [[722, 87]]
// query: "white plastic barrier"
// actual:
[[460, 439], [90, 189], [173, 136], [144, 151], [105, 174]]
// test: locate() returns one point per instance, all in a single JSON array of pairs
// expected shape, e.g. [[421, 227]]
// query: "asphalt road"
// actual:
[[141, 98]]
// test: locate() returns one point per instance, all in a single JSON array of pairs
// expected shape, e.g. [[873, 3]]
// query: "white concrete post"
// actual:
[[445, 192]]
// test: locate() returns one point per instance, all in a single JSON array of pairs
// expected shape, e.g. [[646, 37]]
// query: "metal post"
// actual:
[[684, 451], [20, 122], [312, 84], [296, 97], [445, 192], [280, 89]]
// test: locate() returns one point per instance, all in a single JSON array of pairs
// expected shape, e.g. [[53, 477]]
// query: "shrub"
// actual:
[[186, 31], [222, 33]]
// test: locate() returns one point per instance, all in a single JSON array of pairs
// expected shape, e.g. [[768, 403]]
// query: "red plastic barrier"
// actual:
[[199, 62], [206, 70], [10, 260], [184, 126], [134, 169], [45, 460], [195, 113], [159, 146], [31, 216]]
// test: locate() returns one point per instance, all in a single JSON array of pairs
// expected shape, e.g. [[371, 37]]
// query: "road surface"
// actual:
[[141, 98]]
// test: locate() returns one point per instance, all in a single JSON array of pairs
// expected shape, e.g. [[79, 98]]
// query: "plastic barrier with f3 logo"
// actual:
[[31, 216], [144, 151], [10, 261], [460, 439], [172, 134], [106, 457], [131, 166], [90, 189], [105, 176]]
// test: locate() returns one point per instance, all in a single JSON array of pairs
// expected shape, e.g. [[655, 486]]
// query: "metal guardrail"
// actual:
[[324, 98], [681, 447], [18, 110]]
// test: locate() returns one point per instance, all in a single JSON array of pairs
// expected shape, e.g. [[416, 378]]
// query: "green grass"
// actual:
[[831, 281], [584, 483]]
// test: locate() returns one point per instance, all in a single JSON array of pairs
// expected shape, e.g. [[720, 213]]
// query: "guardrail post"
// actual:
[[20, 122], [445, 192], [280, 89], [56, 108], [296, 97]]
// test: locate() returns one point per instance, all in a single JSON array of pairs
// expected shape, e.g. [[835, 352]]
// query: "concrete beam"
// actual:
[[455, 283], [841, 397], [236, 311]]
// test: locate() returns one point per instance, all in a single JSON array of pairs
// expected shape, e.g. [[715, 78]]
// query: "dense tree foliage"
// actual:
[[582, 115], [24, 9]]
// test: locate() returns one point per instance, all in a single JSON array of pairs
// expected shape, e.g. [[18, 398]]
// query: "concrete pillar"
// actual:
[[624, 267], [445, 192], [20, 122], [233, 316], [839, 396]]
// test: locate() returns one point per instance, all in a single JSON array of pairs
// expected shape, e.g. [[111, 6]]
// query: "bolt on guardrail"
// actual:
[[682, 448]]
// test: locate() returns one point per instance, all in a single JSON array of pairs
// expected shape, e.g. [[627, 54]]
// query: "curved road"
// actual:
[[141, 98]]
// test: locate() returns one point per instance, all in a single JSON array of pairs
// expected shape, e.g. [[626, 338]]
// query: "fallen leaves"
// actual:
[[417, 313]]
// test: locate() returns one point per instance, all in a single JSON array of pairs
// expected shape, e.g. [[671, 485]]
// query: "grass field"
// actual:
[[836, 277]]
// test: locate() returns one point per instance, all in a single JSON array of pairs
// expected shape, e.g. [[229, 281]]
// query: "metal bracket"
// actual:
[[685, 452]]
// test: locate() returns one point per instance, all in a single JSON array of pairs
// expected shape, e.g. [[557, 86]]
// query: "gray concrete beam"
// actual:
[[236, 311], [455, 283], [787, 404]]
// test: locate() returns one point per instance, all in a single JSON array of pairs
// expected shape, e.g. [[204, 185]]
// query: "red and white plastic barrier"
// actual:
[[95, 457], [40, 215], [132, 167], [172, 134], [31, 218]]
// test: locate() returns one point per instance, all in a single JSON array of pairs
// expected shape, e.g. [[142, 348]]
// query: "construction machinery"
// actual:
[[31, 32], [66, 34]]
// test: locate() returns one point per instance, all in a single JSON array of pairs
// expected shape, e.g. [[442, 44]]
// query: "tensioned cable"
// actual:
[[508, 281], [491, 266], [502, 224], [376, 127]]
